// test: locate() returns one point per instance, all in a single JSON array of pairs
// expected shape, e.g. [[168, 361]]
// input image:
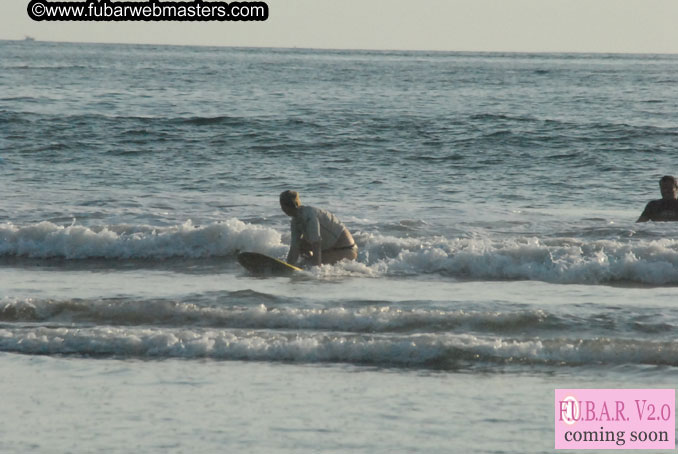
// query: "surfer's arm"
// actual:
[[312, 237], [293, 255], [316, 258], [645, 216]]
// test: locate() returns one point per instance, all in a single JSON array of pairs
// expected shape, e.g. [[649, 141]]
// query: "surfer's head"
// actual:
[[289, 202], [668, 187]]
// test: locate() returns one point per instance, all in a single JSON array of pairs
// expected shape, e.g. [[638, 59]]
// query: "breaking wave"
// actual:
[[48, 240], [554, 260], [447, 351], [240, 327]]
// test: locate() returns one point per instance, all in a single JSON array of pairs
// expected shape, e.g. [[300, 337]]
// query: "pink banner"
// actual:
[[615, 418]]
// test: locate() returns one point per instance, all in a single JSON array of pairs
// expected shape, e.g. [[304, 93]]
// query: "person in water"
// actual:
[[666, 208], [316, 233]]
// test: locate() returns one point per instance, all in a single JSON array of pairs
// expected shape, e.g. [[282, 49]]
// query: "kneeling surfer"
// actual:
[[317, 233]]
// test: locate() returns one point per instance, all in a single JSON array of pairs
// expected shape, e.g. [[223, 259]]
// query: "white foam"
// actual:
[[563, 260], [557, 260], [440, 350], [368, 318], [48, 240]]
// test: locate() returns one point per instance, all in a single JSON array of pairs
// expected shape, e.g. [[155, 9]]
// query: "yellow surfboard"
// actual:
[[257, 263]]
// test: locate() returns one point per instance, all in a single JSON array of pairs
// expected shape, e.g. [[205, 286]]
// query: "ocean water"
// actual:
[[493, 198]]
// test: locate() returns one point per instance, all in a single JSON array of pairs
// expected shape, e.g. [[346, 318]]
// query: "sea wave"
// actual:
[[48, 240], [260, 311], [635, 261], [250, 313], [556, 260], [251, 326], [444, 351]]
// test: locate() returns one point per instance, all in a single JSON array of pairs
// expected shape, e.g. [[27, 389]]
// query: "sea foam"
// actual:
[[559, 260], [446, 351], [556, 260], [48, 240]]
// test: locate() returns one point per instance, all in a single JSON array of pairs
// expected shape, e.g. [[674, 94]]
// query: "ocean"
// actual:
[[493, 198]]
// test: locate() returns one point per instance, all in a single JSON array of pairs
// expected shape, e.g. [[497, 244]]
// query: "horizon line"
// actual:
[[346, 49]]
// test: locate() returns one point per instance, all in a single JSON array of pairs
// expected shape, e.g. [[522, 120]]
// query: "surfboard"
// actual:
[[257, 263]]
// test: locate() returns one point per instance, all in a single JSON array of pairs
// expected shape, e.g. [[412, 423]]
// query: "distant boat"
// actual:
[[29, 38]]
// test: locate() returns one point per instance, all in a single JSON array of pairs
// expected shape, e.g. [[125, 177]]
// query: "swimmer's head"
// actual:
[[668, 187]]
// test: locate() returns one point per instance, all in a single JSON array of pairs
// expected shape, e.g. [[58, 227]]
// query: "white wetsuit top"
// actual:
[[313, 224]]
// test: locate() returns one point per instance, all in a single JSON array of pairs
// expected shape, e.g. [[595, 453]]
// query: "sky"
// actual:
[[619, 26]]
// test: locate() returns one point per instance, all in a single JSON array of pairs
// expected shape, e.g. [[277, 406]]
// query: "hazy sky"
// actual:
[[638, 26]]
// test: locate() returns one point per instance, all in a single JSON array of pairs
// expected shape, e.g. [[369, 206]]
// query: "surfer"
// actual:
[[666, 208], [316, 233]]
